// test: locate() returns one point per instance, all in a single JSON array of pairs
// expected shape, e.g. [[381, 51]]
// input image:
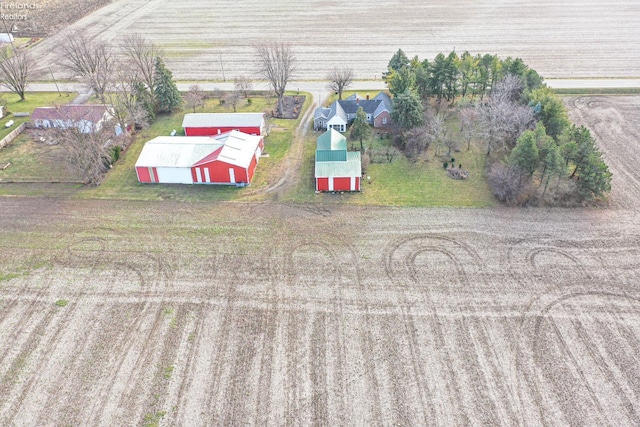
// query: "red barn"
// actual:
[[229, 158], [208, 124], [336, 168]]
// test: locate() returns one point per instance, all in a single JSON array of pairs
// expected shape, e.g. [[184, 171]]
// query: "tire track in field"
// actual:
[[597, 353], [532, 355], [133, 396], [401, 267], [70, 379], [329, 384], [215, 398], [42, 339]]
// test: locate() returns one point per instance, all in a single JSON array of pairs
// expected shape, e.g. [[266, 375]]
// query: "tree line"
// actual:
[[535, 154]]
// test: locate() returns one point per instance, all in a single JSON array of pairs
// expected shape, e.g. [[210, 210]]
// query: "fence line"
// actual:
[[13, 135]]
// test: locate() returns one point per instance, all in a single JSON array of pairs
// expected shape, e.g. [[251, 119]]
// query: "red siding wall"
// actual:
[[144, 174], [322, 184], [341, 184], [377, 123], [214, 130], [251, 170], [219, 172]]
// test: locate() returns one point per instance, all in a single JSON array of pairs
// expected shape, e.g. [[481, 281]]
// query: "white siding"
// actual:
[[175, 175]]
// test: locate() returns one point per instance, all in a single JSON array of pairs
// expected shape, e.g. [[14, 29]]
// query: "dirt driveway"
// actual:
[[197, 314]]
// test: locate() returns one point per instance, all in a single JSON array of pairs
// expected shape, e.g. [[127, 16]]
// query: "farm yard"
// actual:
[[574, 38], [272, 314], [195, 311]]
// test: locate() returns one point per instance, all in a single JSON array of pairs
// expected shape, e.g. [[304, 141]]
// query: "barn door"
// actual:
[[232, 176]]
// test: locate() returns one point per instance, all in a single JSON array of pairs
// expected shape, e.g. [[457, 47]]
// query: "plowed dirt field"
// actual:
[[122, 313], [201, 38]]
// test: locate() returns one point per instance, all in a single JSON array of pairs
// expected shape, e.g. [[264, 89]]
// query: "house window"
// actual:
[[384, 120]]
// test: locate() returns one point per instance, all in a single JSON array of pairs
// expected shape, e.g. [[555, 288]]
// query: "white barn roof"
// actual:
[[205, 120], [233, 147]]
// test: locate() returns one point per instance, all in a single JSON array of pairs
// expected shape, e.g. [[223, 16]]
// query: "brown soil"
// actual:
[[291, 107], [270, 314], [561, 39], [47, 17]]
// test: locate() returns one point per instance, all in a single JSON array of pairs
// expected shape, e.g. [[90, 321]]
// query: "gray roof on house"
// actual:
[[90, 112], [321, 113], [351, 107], [337, 110]]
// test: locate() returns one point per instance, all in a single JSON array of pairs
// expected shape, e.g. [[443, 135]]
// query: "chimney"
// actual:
[[367, 97]]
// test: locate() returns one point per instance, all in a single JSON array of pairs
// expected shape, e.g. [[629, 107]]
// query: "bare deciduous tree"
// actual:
[[508, 183], [340, 79], [17, 69], [469, 125], [268, 122], [194, 97], [121, 95], [418, 141], [232, 98], [142, 55], [243, 84], [91, 60], [438, 131], [87, 152], [276, 64], [503, 118]]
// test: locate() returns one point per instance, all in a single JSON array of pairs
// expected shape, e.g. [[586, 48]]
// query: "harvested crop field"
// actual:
[[573, 38], [41, 18], [124, 313]]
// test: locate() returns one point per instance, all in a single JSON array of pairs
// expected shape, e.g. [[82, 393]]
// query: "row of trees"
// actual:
[[534, 150], [137, 87], [451, 76]]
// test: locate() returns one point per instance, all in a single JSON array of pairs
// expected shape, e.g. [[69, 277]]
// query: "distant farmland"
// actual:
[[575, 38]]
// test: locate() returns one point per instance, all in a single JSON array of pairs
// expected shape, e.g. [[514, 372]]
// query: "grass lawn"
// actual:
[[33, 100], [34, 162], [403, 182]]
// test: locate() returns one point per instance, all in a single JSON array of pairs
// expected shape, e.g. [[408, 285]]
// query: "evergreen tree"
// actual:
[[595, 178], [407, 110], [525, 154], [400, 80], [553, 164], [144, 99], [166, 92], [552, 113], [360, 129], [397, 62]]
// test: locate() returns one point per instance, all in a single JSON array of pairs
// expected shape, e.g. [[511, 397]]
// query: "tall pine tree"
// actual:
[[165, 90]]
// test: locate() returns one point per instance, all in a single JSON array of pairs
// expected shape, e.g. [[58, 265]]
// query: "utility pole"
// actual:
[[55, 82], [222, 66]]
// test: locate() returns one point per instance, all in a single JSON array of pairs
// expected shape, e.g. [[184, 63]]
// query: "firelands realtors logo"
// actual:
[[16, 11]]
